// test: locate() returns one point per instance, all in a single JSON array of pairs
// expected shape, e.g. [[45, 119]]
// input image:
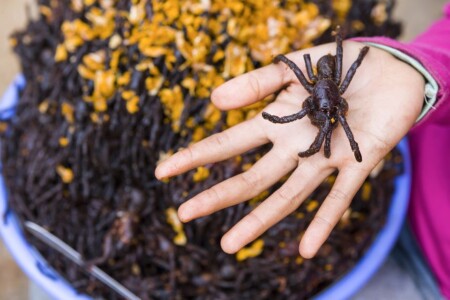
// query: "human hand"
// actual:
[[385, 98]]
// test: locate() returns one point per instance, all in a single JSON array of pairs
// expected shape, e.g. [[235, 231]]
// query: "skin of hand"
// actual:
[[385, 98]]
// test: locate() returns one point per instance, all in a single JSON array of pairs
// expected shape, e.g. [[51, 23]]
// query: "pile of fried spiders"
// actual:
[[325, 104]]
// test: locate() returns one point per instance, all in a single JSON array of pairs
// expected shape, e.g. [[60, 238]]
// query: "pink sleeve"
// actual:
[[429, 212]]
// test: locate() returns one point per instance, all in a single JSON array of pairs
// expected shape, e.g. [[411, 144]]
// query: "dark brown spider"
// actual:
[[326, 105]]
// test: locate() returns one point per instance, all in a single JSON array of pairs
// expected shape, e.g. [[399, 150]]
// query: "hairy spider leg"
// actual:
[[300, 76], [309, 68], [318, 141], [339, 55], [327, 147], [348, 132], [107, 253], [351, 72], [307, 108], [286, 119]]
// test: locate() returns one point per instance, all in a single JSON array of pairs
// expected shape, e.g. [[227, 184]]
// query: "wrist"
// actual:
[[397, 50], [430, 89]]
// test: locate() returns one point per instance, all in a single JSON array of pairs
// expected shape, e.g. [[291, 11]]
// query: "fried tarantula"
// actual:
[[326, 105]]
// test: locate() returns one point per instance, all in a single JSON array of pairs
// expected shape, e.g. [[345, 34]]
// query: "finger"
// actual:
[[217, 147], [265, 173], [338, 200], [251, 87], [280, 204]]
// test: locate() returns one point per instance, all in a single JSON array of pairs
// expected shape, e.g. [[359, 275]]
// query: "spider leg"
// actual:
[[286, 119], [300, 76], [318, 141], [351, 72], [343, 106], [348, 132], [309, 68], [327, 148], [306, 109], [339, 54], [107, 253]]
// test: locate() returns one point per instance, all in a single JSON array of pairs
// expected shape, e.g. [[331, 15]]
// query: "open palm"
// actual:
[[385, 98]]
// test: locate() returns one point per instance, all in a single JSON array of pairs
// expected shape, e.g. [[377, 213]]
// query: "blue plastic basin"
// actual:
[[38, 270]]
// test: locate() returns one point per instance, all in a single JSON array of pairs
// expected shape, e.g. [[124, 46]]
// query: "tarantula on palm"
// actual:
[[325, 106]]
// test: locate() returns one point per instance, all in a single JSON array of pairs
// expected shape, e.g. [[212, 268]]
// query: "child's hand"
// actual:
[[385, 98]]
